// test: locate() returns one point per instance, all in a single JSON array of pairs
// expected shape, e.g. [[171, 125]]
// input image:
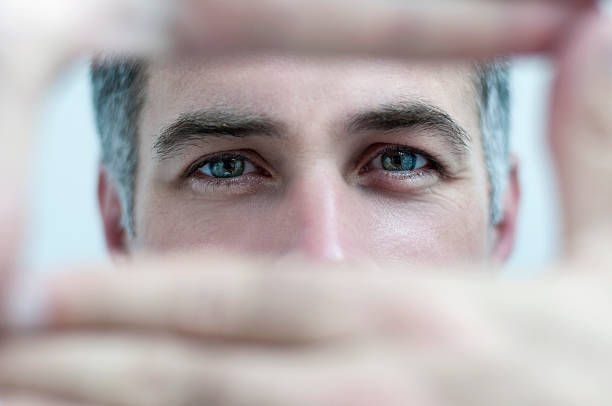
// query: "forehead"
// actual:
[[305, 90]]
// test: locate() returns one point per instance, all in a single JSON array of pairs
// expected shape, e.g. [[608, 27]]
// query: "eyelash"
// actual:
[[434, 163], [246, 155]]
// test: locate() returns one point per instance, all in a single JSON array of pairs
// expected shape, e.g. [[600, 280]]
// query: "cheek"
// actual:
[[439, 229], [172, 223], [449, 224]]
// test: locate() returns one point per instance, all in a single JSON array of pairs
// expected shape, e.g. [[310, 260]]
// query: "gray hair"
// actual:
[[119, 89], [493, 85], [118, 96]]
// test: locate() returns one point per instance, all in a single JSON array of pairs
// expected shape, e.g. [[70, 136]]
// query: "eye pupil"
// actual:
[[227, 167], [399, 161]]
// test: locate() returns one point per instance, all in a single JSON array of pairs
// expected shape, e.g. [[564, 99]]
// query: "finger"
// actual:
[[62, 30], [519, 376], [11, 204], [109, 370], [401, 29], [16, 133], [42, 37], [124, 371], [247, 300], [212, 298], [581, 135], [477, 28], [70, 28], [20, 399]]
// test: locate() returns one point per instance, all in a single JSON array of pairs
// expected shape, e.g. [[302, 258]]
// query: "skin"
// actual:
[[229, 332], [315, 201]]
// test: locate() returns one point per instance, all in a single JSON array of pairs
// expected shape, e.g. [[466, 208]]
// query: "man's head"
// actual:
[[324, 157]]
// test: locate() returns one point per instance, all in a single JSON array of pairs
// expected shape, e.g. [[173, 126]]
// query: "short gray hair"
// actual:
[[493, 85], [119, 90]]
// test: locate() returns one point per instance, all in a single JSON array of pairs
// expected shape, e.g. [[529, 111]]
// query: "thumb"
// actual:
[[15, 136], [581, 135]]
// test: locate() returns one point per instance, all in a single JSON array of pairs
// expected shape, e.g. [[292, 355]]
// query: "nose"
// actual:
[[319, 218]]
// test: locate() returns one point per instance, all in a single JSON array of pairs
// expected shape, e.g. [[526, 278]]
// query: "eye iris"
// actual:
[[399, 161], [227, 167]]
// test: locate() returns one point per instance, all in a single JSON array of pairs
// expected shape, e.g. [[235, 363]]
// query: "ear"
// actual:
[[505, 230], [110, 210]]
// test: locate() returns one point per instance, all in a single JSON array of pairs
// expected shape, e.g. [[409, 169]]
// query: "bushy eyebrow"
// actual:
[[198, 126], [412, 116]]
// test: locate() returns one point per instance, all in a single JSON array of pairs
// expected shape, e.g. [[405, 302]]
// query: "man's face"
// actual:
[[328, 159]]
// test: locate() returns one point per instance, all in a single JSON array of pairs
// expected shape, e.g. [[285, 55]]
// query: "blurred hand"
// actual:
[[193, 331]]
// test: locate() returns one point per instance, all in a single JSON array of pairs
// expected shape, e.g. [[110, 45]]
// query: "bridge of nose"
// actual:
[[321, 211]]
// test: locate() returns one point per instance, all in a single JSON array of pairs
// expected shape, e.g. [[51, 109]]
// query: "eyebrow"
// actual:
[[413, 115], [194, 127]]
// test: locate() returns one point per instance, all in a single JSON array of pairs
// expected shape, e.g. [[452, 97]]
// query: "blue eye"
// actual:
[[399, 161], [225, 167]]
